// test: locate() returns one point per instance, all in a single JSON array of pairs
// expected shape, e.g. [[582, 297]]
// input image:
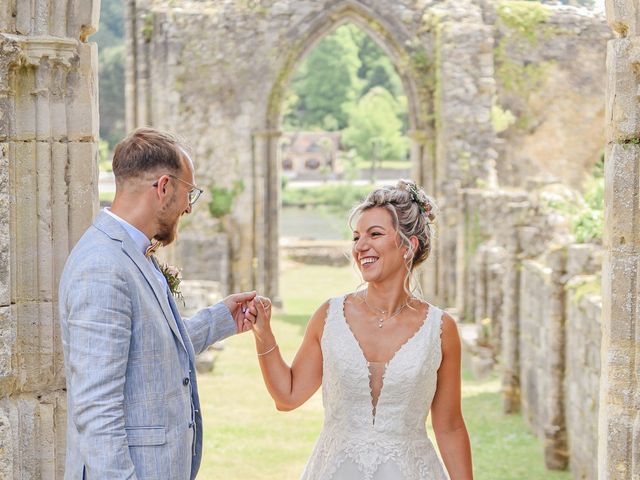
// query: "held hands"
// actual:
[[250, 312], [243, 310]]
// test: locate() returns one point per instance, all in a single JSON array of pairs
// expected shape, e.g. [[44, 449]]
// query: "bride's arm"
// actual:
[[291, 386], [446, 411]]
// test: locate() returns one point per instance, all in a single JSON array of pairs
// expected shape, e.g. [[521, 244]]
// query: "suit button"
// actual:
[[185, 381]]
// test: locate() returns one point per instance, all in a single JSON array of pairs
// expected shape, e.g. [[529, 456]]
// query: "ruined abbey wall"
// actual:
[[216, 72], [48, 196]]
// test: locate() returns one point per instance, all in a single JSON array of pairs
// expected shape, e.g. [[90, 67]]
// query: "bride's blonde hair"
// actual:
[[413, 213]]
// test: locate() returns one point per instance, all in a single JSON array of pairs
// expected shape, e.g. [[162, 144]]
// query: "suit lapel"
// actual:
[[112, 228], [181, 326]]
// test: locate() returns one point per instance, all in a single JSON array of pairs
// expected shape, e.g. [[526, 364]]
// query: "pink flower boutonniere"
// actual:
[[174, 277]]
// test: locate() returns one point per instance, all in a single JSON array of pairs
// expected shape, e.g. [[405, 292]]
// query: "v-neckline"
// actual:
[[398, 350], [374, 406]]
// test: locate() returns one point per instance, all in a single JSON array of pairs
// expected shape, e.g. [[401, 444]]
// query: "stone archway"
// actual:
[[219, 71], [48, 172], [419, 104]]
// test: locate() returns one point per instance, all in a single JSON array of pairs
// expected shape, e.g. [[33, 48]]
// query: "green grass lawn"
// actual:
[[245, 437]]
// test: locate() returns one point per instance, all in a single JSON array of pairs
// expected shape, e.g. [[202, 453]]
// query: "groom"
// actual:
[[133, 406]]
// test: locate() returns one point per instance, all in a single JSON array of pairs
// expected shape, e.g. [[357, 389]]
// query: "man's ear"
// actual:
[[161, 186]]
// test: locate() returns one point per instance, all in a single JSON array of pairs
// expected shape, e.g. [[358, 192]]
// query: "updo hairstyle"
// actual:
[[413, 213]]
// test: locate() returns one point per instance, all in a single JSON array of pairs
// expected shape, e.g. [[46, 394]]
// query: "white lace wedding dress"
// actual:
[[374, 427]]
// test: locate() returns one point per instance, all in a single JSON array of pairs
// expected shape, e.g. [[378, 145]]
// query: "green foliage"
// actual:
[[112, 105], [335, 75], [525, 23], [338, 197], [589, 222], [104, 155], [588, 285], [374, 130], [523, 18], [325, 85], [222, 198], [586, 215], [111, 32], [111, 53], [501, 119]]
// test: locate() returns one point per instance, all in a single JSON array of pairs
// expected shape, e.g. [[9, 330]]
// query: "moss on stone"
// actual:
[[147, 26], [523, 18], [525, 24]]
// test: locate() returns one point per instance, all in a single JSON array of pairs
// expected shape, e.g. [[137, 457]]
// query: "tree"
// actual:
[[326, 84], [112, 94], [110, 40], [374, 130]]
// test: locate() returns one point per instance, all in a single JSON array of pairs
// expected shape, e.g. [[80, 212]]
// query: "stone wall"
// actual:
[[534, 299], [619, 414], [48, 196], [216, 72], [550, 77], [582, 375]]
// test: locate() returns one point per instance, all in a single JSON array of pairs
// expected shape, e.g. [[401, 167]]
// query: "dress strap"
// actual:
[[335, 309]]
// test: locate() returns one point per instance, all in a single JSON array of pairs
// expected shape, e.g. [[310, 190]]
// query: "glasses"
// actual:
[[194, 193]]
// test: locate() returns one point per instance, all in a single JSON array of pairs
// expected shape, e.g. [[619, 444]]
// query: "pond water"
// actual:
[[313, 224]]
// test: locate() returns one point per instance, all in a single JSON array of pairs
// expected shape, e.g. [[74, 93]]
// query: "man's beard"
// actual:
[[167, 229]]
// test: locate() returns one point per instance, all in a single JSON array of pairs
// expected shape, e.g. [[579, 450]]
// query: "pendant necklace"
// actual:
[[381, 312]]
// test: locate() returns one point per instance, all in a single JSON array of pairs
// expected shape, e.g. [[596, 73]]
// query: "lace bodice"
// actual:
[[371, 436]]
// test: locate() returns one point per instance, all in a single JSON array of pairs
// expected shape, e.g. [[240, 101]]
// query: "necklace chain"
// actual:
[[381, 312]]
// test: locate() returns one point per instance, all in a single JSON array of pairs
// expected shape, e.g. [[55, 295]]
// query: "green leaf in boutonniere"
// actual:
[[174, 277]]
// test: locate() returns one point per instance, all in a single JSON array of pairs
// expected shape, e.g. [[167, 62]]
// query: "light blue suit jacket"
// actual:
[[133, 406]]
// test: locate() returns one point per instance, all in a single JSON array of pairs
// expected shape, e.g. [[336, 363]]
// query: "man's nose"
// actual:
[[189, 207]]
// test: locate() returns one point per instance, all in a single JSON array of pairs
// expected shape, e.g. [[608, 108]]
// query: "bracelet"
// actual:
[[268, 351]]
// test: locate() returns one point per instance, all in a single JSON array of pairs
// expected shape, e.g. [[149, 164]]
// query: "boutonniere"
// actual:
[[174, 277]]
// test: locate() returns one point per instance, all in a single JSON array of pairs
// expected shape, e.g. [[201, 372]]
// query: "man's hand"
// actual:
[[242, 310]]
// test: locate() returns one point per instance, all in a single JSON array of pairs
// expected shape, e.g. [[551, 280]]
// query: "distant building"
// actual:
[[307, 152]]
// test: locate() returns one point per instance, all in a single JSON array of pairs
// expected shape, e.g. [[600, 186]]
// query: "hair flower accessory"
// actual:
[[174, 277], [423, 205]]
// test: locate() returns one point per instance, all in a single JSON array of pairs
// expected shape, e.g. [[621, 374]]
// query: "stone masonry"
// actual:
[[619, 429], [216, 72], [48, 196]]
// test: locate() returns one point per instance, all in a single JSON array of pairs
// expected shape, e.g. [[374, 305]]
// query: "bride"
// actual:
[[383, 356]]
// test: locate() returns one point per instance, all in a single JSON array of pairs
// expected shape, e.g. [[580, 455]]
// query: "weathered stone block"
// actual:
[[6, 446], [83, 18], [26, 221], [5, 239], [621, 96], [83, 187], [622, 197], [619, 283], [82, 96], [622, 17], [7, 345]]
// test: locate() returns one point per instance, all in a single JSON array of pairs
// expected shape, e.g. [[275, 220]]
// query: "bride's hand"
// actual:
[[263, 308]]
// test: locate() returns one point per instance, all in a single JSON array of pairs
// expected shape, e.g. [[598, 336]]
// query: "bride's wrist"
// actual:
[[264, 340]]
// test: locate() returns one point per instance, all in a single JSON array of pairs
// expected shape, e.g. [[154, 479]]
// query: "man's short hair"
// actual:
[[146, 150]]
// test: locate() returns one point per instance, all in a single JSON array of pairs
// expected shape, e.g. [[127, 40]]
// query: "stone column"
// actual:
[[510, 326], [48, 196], [465, 138], [266, 207], [556, 449], [423, 171], [619, 416]]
